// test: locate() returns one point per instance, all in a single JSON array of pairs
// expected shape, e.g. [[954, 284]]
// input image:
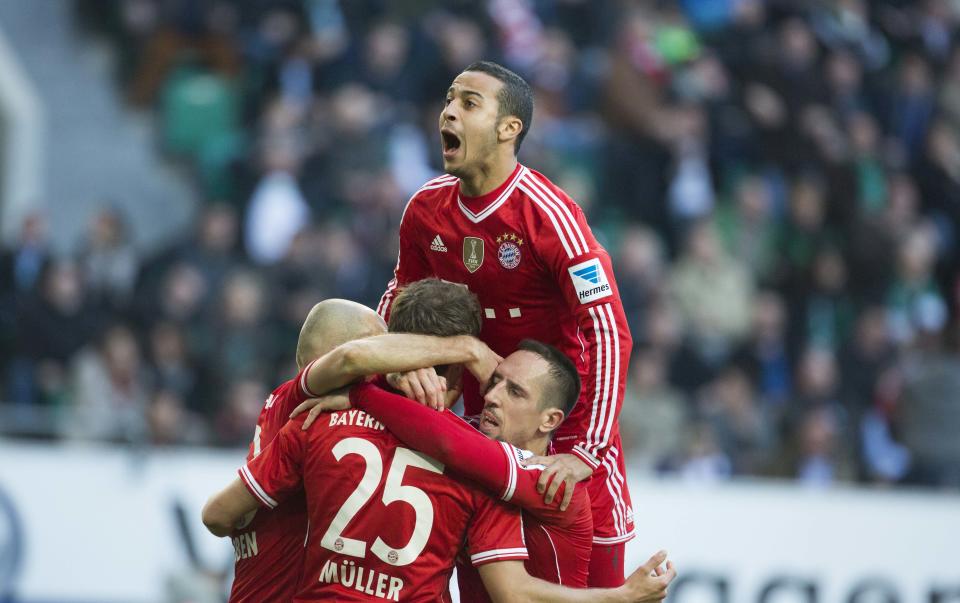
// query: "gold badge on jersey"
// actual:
[[472, 253]]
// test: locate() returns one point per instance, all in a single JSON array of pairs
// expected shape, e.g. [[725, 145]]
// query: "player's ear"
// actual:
[[550, 419], [509, 128]]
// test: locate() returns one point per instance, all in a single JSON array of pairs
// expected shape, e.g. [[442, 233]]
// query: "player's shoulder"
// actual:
[[538, 187], [278, 403], [283, 391], [432, 191]]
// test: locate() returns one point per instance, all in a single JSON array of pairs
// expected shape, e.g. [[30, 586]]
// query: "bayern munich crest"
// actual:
[[508, 251]]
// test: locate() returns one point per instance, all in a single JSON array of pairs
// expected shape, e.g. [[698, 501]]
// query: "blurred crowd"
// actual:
[[778, 183]]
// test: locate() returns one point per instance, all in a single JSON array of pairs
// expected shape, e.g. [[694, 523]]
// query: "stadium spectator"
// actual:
[[51, 327], [821, 141], [712, 290], [110, 395], [109, 261]]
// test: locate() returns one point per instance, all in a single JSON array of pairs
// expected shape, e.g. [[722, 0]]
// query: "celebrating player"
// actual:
[[528, 395], [393, 575], [269, 544], [524, 247]]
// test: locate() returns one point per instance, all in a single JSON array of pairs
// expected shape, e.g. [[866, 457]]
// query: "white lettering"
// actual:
[[329, 573], [245, 546], [395, 585], [348, 582], [381, 585], [351, 575], [366, 587]]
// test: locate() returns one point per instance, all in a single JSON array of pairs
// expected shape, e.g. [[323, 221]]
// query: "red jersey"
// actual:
[[268, 549], [526, 251], [559, 542], [385, 522]]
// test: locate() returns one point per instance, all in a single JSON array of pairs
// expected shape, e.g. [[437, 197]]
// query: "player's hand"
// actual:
[[485, 362], [650, 581], [454, 379], [422, 385], [339, 400], [560, 469]]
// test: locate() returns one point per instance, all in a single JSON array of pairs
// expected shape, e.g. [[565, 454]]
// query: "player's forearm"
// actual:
[[608, 343], [534, 590], [390, 353], [508, 581], [225, 509]]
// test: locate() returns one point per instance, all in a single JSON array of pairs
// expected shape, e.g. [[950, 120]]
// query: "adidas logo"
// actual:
[[437, 244]]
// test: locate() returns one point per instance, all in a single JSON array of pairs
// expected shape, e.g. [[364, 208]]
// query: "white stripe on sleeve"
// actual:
[[512, 472], [549, 212], [258, 491], [573, 229], [604, 438], [497, 554]]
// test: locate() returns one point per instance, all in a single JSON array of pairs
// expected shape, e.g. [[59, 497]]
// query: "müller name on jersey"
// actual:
[[371, 582], [356, 418]]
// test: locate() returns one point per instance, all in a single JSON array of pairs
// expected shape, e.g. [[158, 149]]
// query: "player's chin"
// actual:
[[490, 430], [453, 161], [451, 166]]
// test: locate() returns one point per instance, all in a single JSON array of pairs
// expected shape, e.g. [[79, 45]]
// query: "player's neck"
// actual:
[[488, 177], [538, 446]]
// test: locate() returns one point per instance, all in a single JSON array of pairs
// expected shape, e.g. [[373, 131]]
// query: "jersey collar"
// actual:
[[478, 208]]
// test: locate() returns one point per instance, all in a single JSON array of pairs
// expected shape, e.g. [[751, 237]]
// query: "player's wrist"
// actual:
[[588, 459], [472, 347]]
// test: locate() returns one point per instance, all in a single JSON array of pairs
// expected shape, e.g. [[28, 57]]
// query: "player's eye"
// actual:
[[470, 104], [447, 101]]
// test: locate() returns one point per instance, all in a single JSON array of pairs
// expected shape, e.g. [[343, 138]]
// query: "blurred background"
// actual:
[[777, 181]]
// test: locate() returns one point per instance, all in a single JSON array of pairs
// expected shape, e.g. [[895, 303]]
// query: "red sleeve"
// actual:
[[584, 273], [495, 466], [495, 533], [276, 410], [411, 262], [277, 471]]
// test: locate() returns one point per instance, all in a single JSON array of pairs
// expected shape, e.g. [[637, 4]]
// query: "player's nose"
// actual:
[[447, 115], [492, 397]]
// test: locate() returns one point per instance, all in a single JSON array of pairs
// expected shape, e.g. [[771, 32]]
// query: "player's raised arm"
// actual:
[[394, 352], [492, 464]]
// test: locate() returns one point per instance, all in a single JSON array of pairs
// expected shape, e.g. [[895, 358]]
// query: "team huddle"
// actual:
[[503, 296]]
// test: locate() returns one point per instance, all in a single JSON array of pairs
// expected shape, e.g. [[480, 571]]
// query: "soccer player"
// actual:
[[268, 544], [527, 397], [335, 348], [416, 571], [524, 247]]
